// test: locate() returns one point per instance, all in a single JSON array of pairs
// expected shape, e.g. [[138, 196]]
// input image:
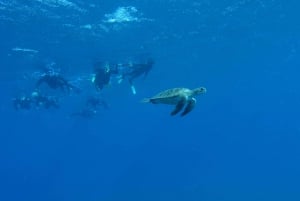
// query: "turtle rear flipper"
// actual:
[[178, 107], [190, 106]]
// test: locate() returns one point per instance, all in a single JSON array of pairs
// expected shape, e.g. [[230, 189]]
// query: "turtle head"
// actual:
[[200, 90]]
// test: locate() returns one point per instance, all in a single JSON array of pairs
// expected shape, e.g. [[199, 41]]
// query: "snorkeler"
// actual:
[[95, 102], [91, 107], [55, 81], [133, 71], [37, 100], [103, 73], [44, 101]]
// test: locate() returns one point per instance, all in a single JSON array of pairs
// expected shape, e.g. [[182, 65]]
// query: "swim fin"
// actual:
[[133, 89]]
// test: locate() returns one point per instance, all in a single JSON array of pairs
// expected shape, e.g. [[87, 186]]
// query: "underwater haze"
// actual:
[[240, 143]]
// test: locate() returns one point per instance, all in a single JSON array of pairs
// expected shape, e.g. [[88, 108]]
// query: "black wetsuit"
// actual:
[[56, 81], [94, 103], [103, 75], [46, 101], [137, 70]]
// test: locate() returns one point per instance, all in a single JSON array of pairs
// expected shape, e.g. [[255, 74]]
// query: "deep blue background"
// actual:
[[240, 143]]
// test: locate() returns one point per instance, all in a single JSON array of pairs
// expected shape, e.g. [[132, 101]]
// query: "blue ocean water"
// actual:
[[241, 142]]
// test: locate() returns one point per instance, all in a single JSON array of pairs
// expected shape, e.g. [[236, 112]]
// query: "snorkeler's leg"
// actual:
[[132, 87]]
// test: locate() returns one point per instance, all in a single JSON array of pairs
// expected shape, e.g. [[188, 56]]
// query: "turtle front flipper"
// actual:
[[178, 107], [190, 106]]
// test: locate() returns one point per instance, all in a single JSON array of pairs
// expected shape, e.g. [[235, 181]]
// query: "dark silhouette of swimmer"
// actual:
[[44, 101], [103, 73], [95, 103], [91, 107], [37, 100], [138, 70], [133, 71], [56, 81]]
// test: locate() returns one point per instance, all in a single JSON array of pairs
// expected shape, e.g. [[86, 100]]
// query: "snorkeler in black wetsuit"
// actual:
[[103, 73], [37, 100], [94, 103], [133, 71], [91, 107], [55, 81], [44, 101]]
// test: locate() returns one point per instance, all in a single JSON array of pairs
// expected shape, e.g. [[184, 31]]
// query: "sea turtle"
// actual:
[[179, 97]]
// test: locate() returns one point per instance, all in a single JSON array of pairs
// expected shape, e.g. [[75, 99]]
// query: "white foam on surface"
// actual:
[[61, 3], [122, 14]]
